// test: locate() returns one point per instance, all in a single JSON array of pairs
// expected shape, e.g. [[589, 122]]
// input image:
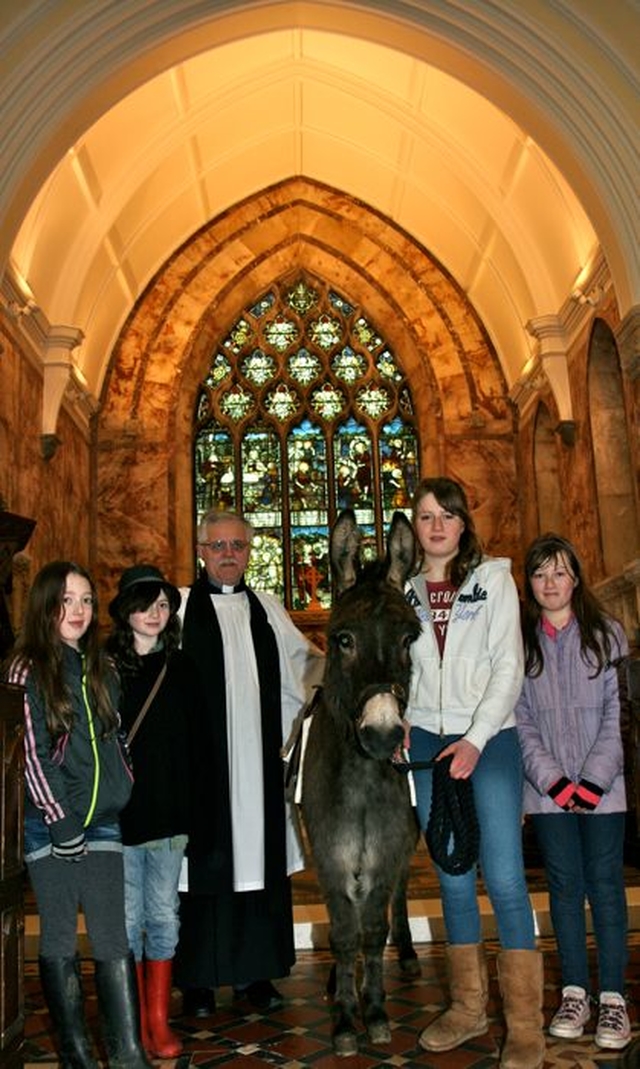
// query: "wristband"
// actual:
[[71, 850], [562, 792], [588, 794]]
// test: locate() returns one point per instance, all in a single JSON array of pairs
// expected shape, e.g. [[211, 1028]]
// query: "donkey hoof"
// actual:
[[379, 1032], [345, 1044], [410, 968]]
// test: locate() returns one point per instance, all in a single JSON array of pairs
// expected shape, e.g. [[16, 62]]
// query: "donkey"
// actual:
[[356, 806]]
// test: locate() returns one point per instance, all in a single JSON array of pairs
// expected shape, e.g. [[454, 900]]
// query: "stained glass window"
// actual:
[[398, 466], [237, 403], [258, 367], [349, 365], [282, 403], [239, 335], [220, 370], [304, 367], [373, 400], [260, 470], [304, 410], [215, 467], [325, 332], [354, 469], [281, 333]]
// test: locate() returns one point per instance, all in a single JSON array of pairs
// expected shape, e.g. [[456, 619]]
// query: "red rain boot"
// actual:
[[142, 998], [163, 1042]]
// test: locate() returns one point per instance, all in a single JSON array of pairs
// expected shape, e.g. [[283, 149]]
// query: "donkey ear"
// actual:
[[343, 551], [401, 550]]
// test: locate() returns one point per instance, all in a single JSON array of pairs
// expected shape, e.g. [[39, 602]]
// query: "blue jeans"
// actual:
[[151, 876], [497, 788], [584, 859]]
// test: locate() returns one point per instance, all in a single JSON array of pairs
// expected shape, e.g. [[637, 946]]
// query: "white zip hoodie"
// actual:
[[473, 689]]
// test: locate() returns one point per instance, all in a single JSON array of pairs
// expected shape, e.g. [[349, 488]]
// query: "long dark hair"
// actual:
[[120, 643], [596, 630], [450, 496], [39, 651]]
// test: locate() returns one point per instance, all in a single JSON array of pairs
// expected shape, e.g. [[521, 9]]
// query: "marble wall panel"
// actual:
[[486, 468], [55, 492]]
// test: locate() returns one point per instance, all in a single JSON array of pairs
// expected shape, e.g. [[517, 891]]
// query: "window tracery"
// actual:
[[304, 411]]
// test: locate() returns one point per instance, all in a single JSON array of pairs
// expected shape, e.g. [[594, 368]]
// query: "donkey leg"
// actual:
[[375, 930], [373, 996], [344, 1010], [343, 940], [401, 937]]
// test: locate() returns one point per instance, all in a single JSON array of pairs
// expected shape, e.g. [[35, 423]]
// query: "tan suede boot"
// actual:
[[469, 991], [520, 974]]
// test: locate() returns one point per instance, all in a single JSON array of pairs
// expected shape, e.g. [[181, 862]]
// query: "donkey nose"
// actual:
[[380, 728]]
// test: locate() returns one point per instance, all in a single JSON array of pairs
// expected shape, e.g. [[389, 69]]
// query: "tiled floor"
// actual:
[[299, 1034]]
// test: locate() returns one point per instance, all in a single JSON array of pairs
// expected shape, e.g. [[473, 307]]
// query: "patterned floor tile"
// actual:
[[299, 1033]]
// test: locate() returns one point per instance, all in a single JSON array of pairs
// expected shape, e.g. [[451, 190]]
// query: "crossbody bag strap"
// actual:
[[150, 696]]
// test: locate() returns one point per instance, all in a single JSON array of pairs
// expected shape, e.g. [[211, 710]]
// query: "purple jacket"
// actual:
[[569, 724]]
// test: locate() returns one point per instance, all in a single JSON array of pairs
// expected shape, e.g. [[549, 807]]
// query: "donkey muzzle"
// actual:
[[379, 726]]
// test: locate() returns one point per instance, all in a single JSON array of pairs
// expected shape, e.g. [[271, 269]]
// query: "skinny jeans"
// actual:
[[583, 857], [497, 789], [152, 902]]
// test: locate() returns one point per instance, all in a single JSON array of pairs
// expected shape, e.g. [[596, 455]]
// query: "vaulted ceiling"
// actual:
[[498, 134]]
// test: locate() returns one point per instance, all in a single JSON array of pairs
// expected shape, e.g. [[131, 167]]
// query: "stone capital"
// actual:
[[551, 337], [57, 374]]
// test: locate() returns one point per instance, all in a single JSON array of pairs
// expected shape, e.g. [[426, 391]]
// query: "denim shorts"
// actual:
[[37, 840]]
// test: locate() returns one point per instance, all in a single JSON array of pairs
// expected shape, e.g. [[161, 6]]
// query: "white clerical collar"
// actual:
[[225, 589]]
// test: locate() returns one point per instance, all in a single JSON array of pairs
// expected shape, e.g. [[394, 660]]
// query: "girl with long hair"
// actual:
[[77, 782], [568, 718], [466, 677]]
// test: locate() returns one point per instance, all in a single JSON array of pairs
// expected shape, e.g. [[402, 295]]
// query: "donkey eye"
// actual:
[[345, 640]]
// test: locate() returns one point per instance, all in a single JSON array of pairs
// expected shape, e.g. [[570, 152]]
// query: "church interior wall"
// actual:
[[56, 492], [559, 478], [120, 489]]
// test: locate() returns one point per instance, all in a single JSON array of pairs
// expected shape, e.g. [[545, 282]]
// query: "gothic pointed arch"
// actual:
[[145, 428]]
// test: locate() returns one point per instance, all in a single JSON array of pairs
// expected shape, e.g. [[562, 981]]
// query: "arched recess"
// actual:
[[612, 458], [547, 473], [144, 430]]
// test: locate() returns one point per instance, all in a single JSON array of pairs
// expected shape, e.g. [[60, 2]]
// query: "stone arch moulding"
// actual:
[[144, 428]]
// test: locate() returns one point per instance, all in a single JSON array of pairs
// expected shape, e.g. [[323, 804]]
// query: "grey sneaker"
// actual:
[[613, 1031], [574, 1012]]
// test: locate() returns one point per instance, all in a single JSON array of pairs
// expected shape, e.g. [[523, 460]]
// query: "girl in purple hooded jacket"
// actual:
[[568, 719]]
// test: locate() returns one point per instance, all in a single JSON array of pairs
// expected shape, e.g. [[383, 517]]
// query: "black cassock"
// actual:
[[226, 936]]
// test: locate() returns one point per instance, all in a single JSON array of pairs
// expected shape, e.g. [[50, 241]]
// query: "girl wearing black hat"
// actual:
[[159, 706]]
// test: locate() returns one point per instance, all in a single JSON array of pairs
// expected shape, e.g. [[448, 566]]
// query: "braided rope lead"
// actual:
[[452, 833]]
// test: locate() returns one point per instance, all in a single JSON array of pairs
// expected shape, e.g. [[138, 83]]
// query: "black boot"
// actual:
[[60, 979], [117, 991]]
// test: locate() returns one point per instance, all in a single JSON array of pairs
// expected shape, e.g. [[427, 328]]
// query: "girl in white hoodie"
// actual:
[[467, 674]]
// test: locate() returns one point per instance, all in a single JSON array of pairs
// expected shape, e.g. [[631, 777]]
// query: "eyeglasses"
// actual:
[[220, 545]]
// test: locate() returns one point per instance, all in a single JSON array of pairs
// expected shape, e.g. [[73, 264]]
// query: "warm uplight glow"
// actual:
[[417, 145]]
